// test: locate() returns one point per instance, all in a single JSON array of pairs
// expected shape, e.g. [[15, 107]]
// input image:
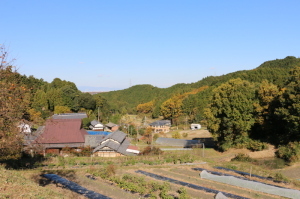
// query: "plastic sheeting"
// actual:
[[193, 186], [75, 187], [257, 186]]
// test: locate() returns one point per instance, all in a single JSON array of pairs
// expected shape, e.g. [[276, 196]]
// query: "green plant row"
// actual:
[[137, 184]]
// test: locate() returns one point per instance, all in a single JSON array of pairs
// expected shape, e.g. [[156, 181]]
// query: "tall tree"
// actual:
[[12, 109], [171, 108], [230, 114], [289, 111], [266, 124]]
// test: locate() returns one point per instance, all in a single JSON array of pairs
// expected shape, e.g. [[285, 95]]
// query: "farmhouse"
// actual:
[[161, 126], [114, 145], [60, 133]]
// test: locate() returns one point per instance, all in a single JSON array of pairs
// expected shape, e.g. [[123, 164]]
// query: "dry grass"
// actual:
[[26, 184]]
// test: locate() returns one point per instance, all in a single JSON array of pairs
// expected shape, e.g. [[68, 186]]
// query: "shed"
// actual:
[[195, 126], [96, 126]]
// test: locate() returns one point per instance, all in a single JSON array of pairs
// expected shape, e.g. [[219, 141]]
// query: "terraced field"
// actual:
[[176, 177]]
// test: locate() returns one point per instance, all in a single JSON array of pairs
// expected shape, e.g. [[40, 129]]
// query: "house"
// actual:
[[114, 145], [111, 127], [195, 126], [93, 140], [161, 126], [96, 126], [60, 133], [24, 128]]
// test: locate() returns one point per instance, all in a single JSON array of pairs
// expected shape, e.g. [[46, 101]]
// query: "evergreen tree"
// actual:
[[230, 114]]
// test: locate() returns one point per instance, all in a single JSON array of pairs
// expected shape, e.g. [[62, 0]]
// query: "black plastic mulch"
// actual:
[[193, 186], [74, 187]]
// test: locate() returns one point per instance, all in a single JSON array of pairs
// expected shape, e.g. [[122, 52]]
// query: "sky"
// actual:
[[104, 45]]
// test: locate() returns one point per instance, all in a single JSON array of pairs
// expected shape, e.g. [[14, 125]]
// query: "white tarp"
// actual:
[[257, 186]]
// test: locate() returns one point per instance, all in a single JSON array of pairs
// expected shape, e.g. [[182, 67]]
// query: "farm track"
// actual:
[[190, 176]]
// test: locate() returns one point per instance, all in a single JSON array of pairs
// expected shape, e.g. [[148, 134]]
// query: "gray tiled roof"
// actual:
[[69, 116], [118, 136], [95, 122], [93, 140], [116, 141], [110, 125], [29, 138], [161, 123]]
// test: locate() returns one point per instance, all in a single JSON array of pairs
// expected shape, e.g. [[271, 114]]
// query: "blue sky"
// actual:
[[114, 44]]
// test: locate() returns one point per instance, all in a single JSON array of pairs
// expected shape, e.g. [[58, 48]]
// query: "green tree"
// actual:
[[61, 109], [86, 101], [54, 97], [266, 124], [40, 102], [102, 108], [289, 110], [230, 114]]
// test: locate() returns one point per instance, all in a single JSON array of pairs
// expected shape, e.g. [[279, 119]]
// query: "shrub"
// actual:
[[185, 135], [255, 145], [289, 152], [176, 135], [242, 158], [183, 193], [151, 151]]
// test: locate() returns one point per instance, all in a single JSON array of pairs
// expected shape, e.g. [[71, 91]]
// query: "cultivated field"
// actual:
[[118, 177]]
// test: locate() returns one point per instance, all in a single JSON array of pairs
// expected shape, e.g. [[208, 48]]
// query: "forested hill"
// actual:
[[127, 100]]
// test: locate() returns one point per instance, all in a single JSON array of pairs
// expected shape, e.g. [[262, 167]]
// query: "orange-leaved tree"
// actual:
[[13, 104]]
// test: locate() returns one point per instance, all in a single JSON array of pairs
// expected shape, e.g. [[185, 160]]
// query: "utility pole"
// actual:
[[98, 113]]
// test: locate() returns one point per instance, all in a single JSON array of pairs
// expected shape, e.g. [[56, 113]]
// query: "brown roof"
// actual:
[[62, 131], [133, 147]]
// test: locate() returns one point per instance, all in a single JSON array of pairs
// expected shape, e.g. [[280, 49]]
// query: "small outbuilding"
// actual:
[[96, 126], [111, 127], [195, 126]]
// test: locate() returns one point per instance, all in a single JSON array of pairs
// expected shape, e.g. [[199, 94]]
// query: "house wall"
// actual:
[[107, 154], [158, 129], [114, 128], [53, 151]]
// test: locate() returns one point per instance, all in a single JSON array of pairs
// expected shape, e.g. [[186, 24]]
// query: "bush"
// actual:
[[242, 158], [185, 135], [255, 145], [289, 152], [176, 135], [151, 151]]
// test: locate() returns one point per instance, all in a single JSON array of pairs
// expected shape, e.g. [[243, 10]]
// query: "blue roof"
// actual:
[[98, 132]]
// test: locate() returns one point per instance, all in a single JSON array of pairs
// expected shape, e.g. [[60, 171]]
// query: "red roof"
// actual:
[[62, 131]]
